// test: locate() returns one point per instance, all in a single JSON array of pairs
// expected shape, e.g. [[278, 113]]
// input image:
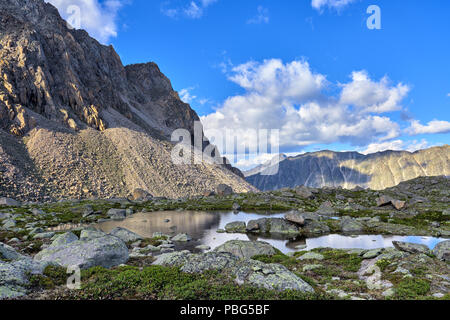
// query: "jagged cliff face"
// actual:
[[75, 122], [67, 76], [350, 169]]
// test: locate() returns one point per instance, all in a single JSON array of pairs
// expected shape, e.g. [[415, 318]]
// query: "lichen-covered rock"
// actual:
[[181, 237], [246, 271], [246, 249], [411, 247], [125, 234], [442, 250], [350, 225], [236, 227], [117, 214], [311, 256], [15, 272], [64, 239], [327, 209], [91, 233], [295, 217], [107, 251], [315, 228], [273, 226]]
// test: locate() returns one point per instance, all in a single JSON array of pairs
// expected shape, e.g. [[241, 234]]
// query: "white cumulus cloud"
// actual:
[[290, 97], [396, 145], [334, 4], [97, 18], [432, 127]]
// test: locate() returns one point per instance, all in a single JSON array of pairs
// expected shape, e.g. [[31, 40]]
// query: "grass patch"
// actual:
[[412, 288]]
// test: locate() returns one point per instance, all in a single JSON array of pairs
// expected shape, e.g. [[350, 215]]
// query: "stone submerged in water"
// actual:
[[246, 249], [107, 251], [245, 271]]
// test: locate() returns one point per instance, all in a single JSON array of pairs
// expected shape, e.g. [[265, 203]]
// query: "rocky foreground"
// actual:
[[39, 241]]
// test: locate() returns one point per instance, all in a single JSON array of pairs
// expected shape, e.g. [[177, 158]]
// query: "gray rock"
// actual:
[[350, 225], [9, 224], [64, 239], [311, 256], [8, 252], [273, 226], [295, 217], [411, 247], [38, 212], [236, 207], [236, 227], [125, 235], [9, 202], [246, 271], [372, 253], [326, 208], [182, 237], [91, 233], [246, 249], [311, 267], [44, 235], [442, 250], [315, 228], [224, 190], [117, 214], [304, 192], [107, 251]]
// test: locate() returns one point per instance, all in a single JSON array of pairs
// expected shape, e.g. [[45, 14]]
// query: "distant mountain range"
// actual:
[[76, 123], [350, 169]]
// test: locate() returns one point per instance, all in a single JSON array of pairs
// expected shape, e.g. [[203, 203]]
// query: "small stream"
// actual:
[[203, 226]]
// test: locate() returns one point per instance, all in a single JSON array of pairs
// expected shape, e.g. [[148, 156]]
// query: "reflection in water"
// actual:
[[202, 227]]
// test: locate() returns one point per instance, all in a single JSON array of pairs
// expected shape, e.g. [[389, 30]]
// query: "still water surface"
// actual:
[[203, 226]]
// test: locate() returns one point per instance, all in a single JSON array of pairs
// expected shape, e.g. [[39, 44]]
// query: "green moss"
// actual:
[[349, 262], [166, 283], [412, 288], [383, 264]]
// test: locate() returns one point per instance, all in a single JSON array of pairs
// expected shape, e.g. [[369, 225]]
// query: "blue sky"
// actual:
[[311, 69]]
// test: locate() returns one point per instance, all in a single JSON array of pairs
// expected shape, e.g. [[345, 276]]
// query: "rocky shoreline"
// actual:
[[38, 241]]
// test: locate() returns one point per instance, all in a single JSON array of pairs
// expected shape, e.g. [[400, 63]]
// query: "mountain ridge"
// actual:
[[352, 169], [75, 122]]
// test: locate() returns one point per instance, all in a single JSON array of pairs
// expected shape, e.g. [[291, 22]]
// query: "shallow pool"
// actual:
[[203, 226]]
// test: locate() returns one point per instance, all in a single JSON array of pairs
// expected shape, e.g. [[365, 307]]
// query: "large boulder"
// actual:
[[140, 195], [125, 235], [315, 228], [64, 239], [326, 209], [350, 225], [224, 190], [246, 249], [117, 214], [411, 247], [295, 217], [245, 271], [9, 202], [304, 192], [442, 250], [107, 251], [273, 226], [15, 272], [236, 227], [386, 200]]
